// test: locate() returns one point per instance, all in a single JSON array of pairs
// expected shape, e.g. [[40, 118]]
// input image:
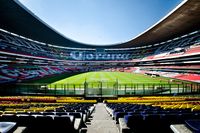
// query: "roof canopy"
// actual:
[[16, 18]]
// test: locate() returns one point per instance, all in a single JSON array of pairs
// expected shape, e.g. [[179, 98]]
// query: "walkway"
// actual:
[[101, 122]]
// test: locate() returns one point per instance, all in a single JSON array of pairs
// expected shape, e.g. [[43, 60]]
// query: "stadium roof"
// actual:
[[16, 18]]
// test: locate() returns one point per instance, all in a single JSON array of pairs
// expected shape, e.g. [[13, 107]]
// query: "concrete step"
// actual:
[[101, 122]]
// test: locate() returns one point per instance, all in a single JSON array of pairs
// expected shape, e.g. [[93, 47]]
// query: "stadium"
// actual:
[[49, 83]]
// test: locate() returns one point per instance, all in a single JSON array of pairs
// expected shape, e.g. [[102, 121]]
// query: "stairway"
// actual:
[[101, 122]]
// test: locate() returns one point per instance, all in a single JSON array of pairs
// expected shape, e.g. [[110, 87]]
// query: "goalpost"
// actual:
[[100, 88]]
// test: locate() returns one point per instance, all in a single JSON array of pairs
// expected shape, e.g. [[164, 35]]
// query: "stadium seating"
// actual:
[[12, 74], [22, 50], [46, 114], [148, 114], [30, 62], [187, 52], [58, 114]]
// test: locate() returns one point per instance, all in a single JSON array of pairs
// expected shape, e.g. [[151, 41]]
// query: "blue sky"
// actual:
[[100, 22]]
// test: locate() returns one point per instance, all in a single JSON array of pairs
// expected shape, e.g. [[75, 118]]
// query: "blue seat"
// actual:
[[48, 113], [186, 116], [194, 125], [63, 124], [139, 123], [118, 115], [25, 120], [76, 114], [134, 122], [38, 124], [8, 117], [7, 127], [62, 113]]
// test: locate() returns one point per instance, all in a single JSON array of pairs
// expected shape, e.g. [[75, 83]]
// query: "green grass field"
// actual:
[[121, 77], [107, 83]]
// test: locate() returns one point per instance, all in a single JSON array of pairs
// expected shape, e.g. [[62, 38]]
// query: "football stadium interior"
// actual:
[[49, 83]]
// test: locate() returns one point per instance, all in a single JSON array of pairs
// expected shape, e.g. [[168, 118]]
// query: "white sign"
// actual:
[[77, 55]]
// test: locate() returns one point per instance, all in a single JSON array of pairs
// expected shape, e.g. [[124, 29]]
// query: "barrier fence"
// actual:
[[99, 89]]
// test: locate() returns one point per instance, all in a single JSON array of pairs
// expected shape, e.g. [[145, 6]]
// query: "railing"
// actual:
[[100, 89]]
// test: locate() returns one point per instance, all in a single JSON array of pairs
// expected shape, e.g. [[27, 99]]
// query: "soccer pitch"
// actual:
[[120, 77], [112, 83]]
